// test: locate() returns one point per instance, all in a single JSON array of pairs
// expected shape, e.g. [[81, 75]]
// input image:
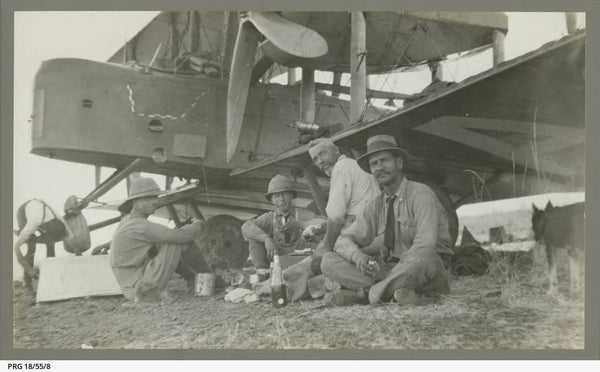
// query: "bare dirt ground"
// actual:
[[504, 309]]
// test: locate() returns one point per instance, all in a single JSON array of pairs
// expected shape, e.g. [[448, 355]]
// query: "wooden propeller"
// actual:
[[288, 36]]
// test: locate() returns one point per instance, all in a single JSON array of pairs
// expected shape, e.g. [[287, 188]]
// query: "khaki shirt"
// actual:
[[350, 189], [421, 223], [134, 237], [270, 225]]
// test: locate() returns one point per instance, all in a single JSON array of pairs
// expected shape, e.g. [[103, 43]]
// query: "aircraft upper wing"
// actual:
[[523, 117]]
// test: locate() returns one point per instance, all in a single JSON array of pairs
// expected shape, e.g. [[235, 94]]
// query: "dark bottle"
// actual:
[[278, 287]]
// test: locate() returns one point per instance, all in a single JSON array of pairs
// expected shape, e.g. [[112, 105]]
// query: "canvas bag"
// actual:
[[470, 260], [80, 240]]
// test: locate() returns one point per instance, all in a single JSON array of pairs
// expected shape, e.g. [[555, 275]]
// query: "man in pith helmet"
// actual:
[[350, 189], [144, 254], [277, 230], [394, 249]]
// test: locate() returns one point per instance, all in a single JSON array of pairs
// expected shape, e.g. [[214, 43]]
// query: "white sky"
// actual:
[[98, 35]]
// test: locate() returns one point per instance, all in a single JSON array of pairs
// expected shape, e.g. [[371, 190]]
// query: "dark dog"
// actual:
[[560, 227]]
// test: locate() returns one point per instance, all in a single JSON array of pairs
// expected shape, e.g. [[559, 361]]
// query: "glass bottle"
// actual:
[[278, 287]]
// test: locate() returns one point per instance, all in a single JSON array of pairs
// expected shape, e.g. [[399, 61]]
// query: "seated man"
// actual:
[[144, 254], [349, 190], [393, 249], [277, 230]]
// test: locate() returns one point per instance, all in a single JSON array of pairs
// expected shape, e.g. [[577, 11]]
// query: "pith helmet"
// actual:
[[280, 183], [378, 143], [140, 188]]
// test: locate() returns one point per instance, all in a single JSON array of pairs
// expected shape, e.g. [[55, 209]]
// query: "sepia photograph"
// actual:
[[198, 179]]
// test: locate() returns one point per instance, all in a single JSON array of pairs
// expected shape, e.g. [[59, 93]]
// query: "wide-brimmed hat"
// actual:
[[378, 143], [140, 188], [280, 183]]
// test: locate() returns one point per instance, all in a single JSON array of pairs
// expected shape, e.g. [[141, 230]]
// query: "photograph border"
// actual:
[[592, 292]]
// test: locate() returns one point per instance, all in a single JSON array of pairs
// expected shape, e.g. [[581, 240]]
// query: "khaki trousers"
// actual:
[[422, 271], [145, 282]]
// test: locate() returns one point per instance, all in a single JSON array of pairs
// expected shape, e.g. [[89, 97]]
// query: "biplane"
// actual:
[[212, 98]]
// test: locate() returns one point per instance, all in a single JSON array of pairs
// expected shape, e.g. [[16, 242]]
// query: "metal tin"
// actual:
[[205, 284]]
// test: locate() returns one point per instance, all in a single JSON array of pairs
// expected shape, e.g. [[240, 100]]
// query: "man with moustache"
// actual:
[[144, 254], [408, 219]]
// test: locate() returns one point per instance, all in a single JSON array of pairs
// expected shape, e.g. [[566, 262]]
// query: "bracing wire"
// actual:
[[205, 182]]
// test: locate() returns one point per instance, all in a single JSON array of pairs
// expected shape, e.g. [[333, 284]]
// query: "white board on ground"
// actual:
[[62, 278]]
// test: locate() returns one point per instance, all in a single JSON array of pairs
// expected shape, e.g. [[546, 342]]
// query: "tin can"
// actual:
[[205, 284]]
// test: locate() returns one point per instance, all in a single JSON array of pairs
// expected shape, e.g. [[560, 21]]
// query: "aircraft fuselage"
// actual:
[[107, 114]]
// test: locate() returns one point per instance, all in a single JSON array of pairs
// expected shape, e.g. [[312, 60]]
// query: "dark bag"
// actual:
[[53, 231], [470, 260], [80, 240]]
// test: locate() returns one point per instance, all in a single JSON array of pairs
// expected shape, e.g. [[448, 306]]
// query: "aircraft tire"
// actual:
[[222, 244]]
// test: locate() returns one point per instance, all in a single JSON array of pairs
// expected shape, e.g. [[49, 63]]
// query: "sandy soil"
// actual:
[[505, 309]]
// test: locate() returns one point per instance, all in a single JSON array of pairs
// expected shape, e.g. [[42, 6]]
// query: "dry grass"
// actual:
[[505, 309]]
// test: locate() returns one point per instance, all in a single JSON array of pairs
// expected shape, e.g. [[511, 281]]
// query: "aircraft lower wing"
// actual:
[[513, 130], [240, 197]]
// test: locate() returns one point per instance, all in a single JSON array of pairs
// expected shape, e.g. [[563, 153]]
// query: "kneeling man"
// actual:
[[393, 249], [144, 254]]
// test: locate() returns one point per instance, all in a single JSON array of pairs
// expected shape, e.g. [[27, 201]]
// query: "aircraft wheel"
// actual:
[[222, 244]]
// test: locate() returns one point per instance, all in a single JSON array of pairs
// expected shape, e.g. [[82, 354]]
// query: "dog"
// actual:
[[560, 227]]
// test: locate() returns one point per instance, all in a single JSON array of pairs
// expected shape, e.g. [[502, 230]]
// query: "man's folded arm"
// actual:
[[256, 228], [158, 233], [360, 234]]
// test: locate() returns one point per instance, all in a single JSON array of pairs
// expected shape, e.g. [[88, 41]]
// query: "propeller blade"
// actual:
[[288, 36], [246, 44]]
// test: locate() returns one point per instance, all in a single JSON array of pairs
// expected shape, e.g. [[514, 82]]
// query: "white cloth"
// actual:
[[241, 294], [349, 189]]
